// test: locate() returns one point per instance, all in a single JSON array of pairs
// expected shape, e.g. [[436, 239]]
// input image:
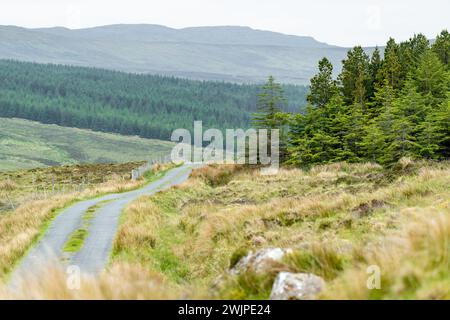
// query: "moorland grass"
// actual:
[[338, 219]]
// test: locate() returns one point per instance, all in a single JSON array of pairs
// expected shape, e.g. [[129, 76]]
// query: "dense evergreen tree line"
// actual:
[[145, 105], [378, 109]]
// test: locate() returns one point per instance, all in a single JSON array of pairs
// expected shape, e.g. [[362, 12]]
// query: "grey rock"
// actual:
[[260, 261], [296, 286]]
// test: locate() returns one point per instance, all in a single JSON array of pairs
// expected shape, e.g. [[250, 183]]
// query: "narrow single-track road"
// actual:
[[94, 253]]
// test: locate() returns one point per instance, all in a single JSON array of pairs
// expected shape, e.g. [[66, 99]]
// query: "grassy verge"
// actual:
[[337, 218], [19, 187], [76, 239], [22, 228]]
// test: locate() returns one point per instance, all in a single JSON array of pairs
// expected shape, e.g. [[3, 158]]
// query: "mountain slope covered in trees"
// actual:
[[130, 104], [234, 54]]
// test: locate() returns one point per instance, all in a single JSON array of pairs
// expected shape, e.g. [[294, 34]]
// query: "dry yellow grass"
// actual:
[[7, 185], [338, 218], [20, 228], [23, 186], [326, 214], [414, 262], [123, 281]]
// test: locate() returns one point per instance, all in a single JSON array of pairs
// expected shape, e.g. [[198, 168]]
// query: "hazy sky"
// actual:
[[341, 22]]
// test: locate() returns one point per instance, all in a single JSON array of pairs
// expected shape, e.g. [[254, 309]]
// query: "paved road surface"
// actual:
[[94, 254]]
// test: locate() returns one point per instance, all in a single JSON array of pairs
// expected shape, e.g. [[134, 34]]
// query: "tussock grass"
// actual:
[[338, 219], [320, 259], [217, 175], [330, 215], [123, 281], [7, 185], [414, 262]]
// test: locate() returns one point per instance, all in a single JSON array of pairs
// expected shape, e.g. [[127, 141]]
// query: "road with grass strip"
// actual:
[[83, 234]]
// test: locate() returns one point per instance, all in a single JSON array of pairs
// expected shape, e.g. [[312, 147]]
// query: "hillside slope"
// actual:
[[130, 104], [26, 144], [237, 54], [337, 219]]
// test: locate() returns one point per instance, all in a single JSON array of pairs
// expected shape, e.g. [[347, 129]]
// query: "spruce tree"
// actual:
[[434, 137], [411, 103], [322, 86], [401, 139], [355, 124], [373, 142], [269, 116], [432, 80], [270, 102], [355, 76], [418, 44], [392, 69], [442, 47], [375, 67]]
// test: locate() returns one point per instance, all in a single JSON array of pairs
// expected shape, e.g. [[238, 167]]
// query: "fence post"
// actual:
[[139, 172]]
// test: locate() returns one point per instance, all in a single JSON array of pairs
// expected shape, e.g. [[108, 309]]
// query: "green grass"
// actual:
[[329, 216], [23, 185], [26, 144], [20, 178], [76, 239]]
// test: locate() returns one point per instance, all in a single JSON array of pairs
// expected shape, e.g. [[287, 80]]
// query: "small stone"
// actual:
[[296, 286], [260, 261]]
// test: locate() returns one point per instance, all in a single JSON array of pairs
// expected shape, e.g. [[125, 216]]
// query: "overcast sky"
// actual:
[[343, 22]]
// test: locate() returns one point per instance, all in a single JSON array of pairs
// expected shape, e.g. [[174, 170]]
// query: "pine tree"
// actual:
[[392, 69], [383, 99], [269, 116], [270, 102], [432, 80], [310, 141], [434, 138], [299, 126], [355, 121], [401, 140], [373, 143], [411, 102], [322, 147], [374, 68], [442, 47], [355, 76], [418, 44], [322, 86]]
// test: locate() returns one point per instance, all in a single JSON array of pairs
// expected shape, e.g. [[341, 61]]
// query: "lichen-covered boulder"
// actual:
[[296, 286], [260, 261]]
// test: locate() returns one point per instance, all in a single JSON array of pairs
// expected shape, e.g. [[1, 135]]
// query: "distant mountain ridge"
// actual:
[[231, 35], [228, 53]]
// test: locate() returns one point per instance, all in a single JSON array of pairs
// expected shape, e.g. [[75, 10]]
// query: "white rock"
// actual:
[[296, 286], [261, 260]]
